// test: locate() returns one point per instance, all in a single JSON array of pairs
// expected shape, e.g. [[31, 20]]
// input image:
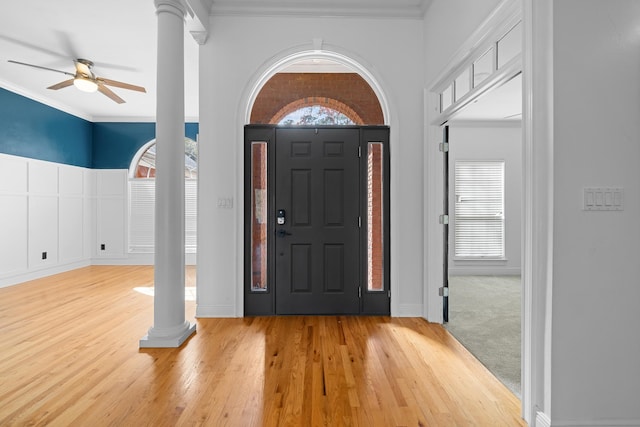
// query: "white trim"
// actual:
[[408, 310], [234, 8], [245, 106], [43, 272], [297, 55], [506, 123], [216, 311], [136, 158], [592, 423], [503, 17], [542, 420]]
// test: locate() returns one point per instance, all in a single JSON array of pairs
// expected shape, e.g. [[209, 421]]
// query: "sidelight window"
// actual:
[[259, 182], [375, 227]]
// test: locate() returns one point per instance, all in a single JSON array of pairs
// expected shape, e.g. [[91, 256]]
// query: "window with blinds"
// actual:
[[479, 209], [142, 196]]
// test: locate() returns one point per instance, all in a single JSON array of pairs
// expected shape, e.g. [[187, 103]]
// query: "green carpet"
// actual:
[[484, 315]]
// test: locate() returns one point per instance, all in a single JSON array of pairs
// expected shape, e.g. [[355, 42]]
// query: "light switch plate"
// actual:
[[225, 202], [603, 199]]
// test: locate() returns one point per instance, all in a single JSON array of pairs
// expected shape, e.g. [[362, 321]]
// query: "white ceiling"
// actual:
[[119, 36]]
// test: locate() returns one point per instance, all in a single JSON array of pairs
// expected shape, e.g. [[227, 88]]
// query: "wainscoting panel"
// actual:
[[46, 223]]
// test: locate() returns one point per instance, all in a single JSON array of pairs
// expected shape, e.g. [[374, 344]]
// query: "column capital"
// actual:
[[177, 7]]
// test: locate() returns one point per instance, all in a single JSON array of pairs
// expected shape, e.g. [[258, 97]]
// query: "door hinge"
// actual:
[[443, 219], [389, 293], [359, 291], [359, 222], [444, 147], [359, 151], [443, 291]]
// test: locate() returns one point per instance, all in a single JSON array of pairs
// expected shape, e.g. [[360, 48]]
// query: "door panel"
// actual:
[[317, 248]]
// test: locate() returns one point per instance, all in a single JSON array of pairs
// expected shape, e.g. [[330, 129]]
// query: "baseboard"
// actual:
[[595, 423], [215, 311], [138, 259], [409, 310], [40, 273]]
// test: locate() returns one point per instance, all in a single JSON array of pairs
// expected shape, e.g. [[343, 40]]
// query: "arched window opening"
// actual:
[[145, 167], [142, 198], [316, 115]]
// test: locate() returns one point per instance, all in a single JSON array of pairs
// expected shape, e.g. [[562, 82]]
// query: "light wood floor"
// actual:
[[69, 356]]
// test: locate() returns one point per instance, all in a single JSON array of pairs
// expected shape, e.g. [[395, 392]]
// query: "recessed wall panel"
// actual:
[[13, 234]]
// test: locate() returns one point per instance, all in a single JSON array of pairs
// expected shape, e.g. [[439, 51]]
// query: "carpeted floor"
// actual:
[[484, 315]]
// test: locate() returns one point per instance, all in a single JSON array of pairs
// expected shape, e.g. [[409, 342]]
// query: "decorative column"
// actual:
[[170, 329]]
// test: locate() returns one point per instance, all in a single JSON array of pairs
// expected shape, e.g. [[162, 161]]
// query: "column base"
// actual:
[[172, 341]]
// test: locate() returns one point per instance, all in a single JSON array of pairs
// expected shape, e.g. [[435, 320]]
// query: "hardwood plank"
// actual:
[[69, 356]]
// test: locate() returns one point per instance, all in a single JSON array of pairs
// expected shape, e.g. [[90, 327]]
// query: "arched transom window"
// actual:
[[316, 115]]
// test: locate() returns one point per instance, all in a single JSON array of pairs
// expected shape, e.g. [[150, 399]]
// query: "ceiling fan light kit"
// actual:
[[85, 84], [85, 80]]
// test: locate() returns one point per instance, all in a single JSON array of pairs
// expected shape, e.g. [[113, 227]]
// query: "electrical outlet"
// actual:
[[102, 247], [44, 255]]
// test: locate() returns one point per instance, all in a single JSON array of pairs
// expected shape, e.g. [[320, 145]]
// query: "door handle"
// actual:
[[281, 232]]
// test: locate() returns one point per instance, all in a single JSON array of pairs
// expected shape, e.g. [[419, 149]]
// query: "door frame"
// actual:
[[262, 303]]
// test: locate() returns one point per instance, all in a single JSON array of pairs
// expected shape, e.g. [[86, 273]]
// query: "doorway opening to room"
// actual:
[[480, 117], [485, 231], [316, 162]]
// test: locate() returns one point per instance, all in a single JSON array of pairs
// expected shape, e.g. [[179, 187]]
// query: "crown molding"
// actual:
[[334, 10]]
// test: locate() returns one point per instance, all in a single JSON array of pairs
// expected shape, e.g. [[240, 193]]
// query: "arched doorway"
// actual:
[[316, 196]]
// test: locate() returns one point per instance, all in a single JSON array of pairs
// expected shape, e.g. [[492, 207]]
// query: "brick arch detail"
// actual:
[[348, 93], [317, 100]]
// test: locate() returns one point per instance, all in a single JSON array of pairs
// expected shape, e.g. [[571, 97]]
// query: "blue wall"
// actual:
[[114, 144], [31, 129], [34, 130]]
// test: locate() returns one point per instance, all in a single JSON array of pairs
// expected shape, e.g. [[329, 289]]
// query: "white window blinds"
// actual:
[[479, 209], [142, 196]]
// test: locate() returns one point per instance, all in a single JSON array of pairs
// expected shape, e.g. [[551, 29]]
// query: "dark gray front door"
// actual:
[[317, 231]]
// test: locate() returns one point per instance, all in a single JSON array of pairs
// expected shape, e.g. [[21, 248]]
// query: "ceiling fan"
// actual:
[[85, 80]]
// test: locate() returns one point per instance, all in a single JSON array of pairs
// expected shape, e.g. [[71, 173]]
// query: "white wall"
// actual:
[[448, 24], [490, 141], [45, 207], [238, 51], [595, 359]]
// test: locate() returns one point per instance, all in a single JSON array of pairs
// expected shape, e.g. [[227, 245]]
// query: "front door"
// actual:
[[317, 221]]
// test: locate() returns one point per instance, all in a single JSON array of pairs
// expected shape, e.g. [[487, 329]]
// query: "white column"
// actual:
[[170, 329]]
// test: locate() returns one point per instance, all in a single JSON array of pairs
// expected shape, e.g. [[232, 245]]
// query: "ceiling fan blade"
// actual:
[[108, 92], [61, 85], [43, 68], [121, 84]]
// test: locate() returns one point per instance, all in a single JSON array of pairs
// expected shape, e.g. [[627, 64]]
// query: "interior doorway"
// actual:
[[484, 243], [317, 220]]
